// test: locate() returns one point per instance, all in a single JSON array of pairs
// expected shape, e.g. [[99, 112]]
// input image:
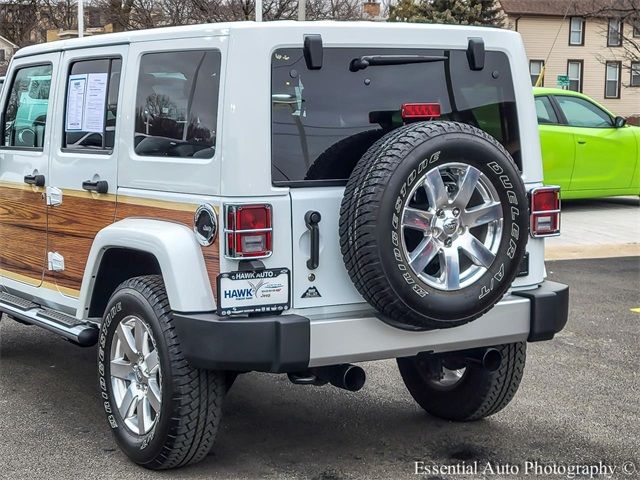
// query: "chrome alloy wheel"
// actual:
[[136, 379], [448, 378], [451, 226]]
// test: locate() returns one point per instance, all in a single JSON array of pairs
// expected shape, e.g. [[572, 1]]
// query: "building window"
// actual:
[[614, 33], [574, 72], [612, 80], [3, 55], [636, 27], [576, 31], [535, 70], [635, 74]]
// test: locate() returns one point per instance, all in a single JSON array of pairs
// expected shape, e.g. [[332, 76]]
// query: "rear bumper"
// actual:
[[549, 305], [289, 343]]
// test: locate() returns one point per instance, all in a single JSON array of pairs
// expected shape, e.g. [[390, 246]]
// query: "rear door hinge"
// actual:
[[55, 261], [54, 196]]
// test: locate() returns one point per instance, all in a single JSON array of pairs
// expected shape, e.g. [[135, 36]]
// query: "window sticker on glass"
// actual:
[[95, 100], [86, 101], [75, 102]]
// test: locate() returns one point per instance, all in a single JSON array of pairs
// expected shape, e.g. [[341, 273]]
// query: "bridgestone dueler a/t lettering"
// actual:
[[434, 224]]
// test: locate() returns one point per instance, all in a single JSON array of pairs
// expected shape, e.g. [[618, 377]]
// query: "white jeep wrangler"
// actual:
[[285, 197]]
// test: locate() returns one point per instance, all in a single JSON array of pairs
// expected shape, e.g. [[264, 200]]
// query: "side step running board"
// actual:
[[74, 330]]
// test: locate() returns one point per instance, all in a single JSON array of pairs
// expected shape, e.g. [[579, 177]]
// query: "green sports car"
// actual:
[[586, 149]]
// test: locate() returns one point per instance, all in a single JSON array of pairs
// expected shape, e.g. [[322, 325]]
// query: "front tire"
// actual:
[[475, 394], [163, 412]]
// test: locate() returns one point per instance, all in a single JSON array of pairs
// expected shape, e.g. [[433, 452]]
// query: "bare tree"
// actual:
[[18, 19], [232, 10], [628, 12], [177, 12], [334, 10], [58, 14]]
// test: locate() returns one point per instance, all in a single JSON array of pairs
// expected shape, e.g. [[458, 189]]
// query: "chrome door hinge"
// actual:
[[55, 261], [54, 196]]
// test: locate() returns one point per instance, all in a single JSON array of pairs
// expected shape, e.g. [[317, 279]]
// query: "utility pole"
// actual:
[[258, 10], [302, 10], [80, 18]]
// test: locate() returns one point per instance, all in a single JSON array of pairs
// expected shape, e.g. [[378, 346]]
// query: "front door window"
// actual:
[[582, 113], [25, 115]]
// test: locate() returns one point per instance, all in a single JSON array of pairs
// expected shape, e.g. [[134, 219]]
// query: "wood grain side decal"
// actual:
[[72, 227], [23, 231], [176, 212]]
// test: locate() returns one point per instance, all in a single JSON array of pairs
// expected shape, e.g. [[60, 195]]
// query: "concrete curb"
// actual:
[[574, 252]]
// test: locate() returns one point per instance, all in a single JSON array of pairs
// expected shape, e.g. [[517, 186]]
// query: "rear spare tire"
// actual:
[[433, 224]]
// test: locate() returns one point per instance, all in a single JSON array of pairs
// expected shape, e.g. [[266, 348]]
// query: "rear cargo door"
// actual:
[[328, 283], [324, 119]]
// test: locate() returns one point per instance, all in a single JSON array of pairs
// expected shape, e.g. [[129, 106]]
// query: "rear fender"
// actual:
[[174, 247]]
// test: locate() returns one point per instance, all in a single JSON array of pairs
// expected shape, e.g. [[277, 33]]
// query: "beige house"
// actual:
[[593, 52]]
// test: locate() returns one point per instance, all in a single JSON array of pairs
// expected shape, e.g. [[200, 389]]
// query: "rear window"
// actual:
[[177, 104], [324, 120]]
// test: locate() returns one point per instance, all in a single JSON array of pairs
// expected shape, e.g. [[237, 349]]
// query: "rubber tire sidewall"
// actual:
[[125, 302], [474, 396], [458, 306]]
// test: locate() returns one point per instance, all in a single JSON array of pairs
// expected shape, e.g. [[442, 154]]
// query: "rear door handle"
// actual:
[[311, 220], [99, 186], [582, 142], [36, 180]]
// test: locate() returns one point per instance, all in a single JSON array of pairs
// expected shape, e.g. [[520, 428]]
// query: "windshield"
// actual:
[[324, 120]]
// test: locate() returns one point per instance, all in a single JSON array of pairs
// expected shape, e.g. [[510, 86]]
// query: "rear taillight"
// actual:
[[248, 231], [415, 111], [545, 211]]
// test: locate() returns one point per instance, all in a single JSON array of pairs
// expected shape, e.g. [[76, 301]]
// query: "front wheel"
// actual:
[[163, 412], [464, 392]]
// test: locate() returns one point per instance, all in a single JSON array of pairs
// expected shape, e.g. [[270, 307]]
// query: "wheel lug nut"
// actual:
[[456, 211], [440, 213], [448, 242]]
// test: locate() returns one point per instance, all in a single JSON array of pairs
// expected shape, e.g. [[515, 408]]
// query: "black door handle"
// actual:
[[37, 180], [101, 186], [311, 219]]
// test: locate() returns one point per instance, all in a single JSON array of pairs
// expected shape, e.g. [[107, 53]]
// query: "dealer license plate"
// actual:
[[253, 291]]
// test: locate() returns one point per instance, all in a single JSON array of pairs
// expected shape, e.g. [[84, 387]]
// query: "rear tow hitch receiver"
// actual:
[[345, 376], [488, 358]]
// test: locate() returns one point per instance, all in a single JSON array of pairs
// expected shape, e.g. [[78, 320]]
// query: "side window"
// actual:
[[576, 31], [582, 113], [574, 72], [177, 104], [92, 103], [25, 114], [545, 111], [535, 70]]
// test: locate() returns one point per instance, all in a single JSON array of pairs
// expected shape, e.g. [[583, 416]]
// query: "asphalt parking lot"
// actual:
[[578, 403]]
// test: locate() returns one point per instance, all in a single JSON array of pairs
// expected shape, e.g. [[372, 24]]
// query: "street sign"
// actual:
[[563, 81]]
